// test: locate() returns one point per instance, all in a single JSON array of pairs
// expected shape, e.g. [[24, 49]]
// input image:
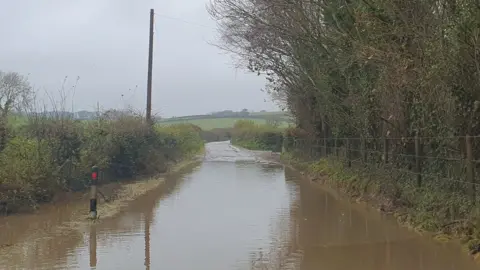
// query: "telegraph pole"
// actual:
[[150, 67]]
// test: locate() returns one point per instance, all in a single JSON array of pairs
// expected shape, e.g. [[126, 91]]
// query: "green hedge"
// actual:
[[252, 136], [47, 155]]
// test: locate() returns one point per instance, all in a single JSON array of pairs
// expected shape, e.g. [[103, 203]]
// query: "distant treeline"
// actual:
[[89, 115], [231, 114], [80, 115]]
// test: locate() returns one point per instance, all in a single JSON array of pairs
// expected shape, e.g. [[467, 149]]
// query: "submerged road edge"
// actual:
[[372, 201], [129, 192]]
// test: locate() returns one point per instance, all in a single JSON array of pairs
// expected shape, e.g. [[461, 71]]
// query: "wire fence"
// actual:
[[447, 163]]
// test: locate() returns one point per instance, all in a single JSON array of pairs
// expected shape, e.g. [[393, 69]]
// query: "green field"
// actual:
[[283, 114], [211, 123], [16, 121]]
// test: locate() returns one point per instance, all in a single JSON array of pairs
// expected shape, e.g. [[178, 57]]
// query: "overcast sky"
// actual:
[[105, 44]]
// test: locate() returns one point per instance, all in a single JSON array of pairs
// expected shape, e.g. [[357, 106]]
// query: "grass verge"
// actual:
[[425, 210]]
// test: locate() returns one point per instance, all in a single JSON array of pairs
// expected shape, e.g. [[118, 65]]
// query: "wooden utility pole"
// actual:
[[150, 67]]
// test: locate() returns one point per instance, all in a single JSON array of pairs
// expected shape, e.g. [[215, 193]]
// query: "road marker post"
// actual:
[[93, 194]]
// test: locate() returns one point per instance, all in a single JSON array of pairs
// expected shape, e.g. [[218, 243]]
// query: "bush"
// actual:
[[257, 137], [49, 154], [26, 171], [216, 134]]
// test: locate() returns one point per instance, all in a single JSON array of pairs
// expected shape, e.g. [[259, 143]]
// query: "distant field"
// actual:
[[211, 123], [205, 122], [17, 121], [269, 113]]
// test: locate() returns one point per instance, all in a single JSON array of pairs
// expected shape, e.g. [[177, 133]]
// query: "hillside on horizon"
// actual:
[[227, 118]]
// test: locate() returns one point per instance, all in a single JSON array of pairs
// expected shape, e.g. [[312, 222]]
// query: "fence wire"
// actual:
[[448, 163]]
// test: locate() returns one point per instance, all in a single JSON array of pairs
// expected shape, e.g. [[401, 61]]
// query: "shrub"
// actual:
[[27, 169], [49, 154], [257, 137]]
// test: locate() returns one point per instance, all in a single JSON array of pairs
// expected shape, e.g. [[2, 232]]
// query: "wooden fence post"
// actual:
[[320, 149], [313, 145], [470, 167], [336, 147], [418, 168], [303, 147], [347, 152], [385, 150], [325, 146], [363, 149]]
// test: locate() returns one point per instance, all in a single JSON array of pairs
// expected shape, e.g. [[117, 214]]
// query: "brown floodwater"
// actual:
[[234, 211]]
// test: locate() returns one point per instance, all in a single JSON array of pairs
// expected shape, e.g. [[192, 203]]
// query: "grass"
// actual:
[[204, 123], [248, 134], [16, 121], [422, 209], [281, 114], [212, 123]]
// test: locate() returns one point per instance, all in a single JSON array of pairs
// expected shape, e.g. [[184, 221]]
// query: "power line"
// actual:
[[185, 21]]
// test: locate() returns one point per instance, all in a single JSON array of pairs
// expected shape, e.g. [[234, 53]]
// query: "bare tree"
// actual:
[[15, 95], [15, 92]]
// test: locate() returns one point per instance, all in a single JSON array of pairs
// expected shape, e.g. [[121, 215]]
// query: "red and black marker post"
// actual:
[[93, 189]]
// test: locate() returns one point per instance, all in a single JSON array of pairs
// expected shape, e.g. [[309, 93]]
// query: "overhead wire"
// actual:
[[155, 29], [184, 21]]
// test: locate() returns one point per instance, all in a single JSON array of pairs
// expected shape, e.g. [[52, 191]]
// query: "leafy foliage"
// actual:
[[50, 154], [372, 69], [257, 137], [363, 68]]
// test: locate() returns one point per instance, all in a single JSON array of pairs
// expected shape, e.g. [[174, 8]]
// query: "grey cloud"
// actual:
[[104, 42]]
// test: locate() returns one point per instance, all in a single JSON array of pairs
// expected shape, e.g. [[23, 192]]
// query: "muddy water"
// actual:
[[232, 212]]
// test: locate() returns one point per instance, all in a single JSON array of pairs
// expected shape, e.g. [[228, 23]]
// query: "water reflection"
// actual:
[[147, 221], [346, 236], [322, 232], [93, 246]]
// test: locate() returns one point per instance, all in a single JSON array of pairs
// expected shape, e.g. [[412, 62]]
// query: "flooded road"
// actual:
[[234, 211]]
